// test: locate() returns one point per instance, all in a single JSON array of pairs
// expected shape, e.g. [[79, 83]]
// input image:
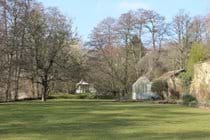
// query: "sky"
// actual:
[[86, 14]]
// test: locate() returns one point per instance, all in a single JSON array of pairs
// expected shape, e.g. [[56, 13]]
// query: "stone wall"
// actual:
[[200, 86], [27, 90]]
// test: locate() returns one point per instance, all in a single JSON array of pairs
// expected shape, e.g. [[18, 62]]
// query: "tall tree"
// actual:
[[105, 54], [126, 26], [51, 34], [181, 27]]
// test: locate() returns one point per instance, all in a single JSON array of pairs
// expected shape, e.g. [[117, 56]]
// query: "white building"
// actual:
[[84, 87], [141, 89]]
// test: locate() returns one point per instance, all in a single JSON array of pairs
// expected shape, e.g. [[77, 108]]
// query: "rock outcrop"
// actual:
[[200, 87], [175, 86]]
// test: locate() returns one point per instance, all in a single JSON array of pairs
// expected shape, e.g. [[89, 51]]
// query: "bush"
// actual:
[[105, 96], [160, 87], [189, 100], [198, 53], [63, 96], [91, 96], [87, 96], [73, 96], [186, 80]]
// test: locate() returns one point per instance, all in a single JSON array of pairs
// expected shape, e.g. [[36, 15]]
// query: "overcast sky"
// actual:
[[87, 13]]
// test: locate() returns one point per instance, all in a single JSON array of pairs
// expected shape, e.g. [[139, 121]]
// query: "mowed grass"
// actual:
[[90, 120]]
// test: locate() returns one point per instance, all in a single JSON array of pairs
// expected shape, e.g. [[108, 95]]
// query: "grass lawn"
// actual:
[[89, 120]]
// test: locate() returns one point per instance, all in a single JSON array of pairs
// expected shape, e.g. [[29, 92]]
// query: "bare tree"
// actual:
[[155, 24], [156, 30], [105, 53], [125, 30], [198, 29], [181, 27], [34, 45], [51, 34]]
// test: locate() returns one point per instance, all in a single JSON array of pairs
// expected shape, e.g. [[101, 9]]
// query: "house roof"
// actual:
[[143, 79], [82, 82], [170, 74]]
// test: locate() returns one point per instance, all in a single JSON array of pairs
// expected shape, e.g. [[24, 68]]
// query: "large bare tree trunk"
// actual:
[[17, 83], [8, 83], [9, 56], [45, 88], [44, 93]]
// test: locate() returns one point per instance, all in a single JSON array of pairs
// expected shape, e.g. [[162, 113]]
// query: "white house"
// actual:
[[84, 87], [141, 89]]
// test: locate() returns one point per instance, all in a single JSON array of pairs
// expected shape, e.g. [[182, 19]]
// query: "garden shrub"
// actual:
[[106, 96], [189, 100], [72, 96], [82, 96], [186, 80], [197, 54], [91, 96], [63, 96]]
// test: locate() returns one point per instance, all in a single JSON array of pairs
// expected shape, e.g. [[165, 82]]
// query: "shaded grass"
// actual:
[[90, 120]]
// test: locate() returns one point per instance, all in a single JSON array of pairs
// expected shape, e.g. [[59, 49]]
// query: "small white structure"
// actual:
[[141, 89], [84, 87]]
